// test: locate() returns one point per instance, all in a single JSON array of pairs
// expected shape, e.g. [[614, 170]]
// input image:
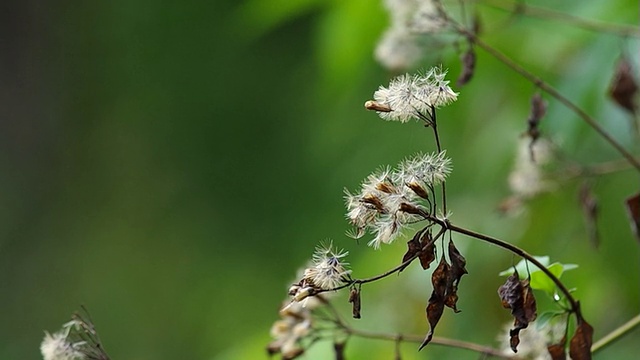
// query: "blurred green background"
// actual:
[[170, 165]]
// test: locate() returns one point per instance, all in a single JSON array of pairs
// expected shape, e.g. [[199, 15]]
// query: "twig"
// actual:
[[616, 334], [435, 340], [575, 305], [549, 90], [523, 8]]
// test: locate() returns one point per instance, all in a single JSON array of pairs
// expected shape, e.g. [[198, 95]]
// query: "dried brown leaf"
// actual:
[[338, 348], [580, 344], [457, 270], [517, 295], [435, 307], [589, 205], [633, 210], [428, 254], [557, 351], [468, 60], [623, 86], [354, 299]]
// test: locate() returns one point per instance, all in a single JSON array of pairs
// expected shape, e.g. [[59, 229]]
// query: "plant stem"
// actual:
[[523, 8], [616, 334], [549, 90], [575, 306], [435, 340], [434, 124]]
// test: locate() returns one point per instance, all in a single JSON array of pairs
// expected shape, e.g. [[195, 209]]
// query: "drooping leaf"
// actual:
[[457, 270], [338, 348], [623, 86], [589, 205], [557, 351], [580, 344], [354, 299], [435, 307], [413, 247], [633, 210], [468, 60], [428, 253], [538, 279], [517, 295]]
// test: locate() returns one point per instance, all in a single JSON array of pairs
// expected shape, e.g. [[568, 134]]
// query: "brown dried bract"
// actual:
[[557, 350], [457, 270], [589, 205], [468, 60], [633, 209], [435, 308], [517, 295], [580, 344], [354, 299], [415, 246], [623, 86]]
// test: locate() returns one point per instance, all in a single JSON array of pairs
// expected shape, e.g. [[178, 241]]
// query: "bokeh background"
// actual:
[[170, 165]]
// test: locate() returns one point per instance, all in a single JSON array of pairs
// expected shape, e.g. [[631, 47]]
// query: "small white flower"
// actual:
[[58, 347], [329, 270], [398, 49], [387, 228], [429, 18], [414, 96], [424, 171], [527, 179], [400, 46]]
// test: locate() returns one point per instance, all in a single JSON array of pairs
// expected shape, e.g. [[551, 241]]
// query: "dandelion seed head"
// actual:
[[329, 270], [414, 96], [398, 49], [58, 347], [527, 179]]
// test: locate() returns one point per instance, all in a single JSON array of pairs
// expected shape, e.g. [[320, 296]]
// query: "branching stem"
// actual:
[[616, 334], [549, 90], [520, 7]]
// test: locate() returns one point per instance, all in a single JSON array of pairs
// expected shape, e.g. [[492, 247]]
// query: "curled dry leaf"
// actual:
[[415, 246], [354, 299], [457, 270], [623, 87], [517, 295], [435, 307], [468, 66], [556, 351], [580, 344], [589, 205], [633, 209], [538, 110], [428, 254], [338, 348]]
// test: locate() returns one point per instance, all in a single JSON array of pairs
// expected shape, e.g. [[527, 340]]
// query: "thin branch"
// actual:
[[435, 340], [523, 8], [575, 305], [388, 272], [549, 90], [616, 334], [439, 147]]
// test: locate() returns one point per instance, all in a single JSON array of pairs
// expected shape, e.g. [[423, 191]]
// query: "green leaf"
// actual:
[[546, 317], [539, 280]]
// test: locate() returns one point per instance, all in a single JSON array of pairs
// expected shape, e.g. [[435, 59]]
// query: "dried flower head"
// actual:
[[400, 46], [77, 340], [388, 199], [293, 327], [329, 270], [527, 179], [398, 49], [414, 96], [59, 347]]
